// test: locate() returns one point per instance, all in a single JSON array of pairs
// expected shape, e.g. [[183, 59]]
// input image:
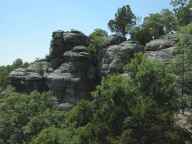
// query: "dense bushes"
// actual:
[[154, 26], [184, 65], [136, 107], [23, 116], [5, 70], [133, 109]]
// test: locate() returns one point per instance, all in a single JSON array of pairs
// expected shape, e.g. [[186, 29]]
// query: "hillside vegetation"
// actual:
[[105, 89]]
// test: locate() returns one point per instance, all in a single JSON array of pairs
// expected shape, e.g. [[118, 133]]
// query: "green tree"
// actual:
[[184, 65], [98, 39], [183, 11], [126, 109], [22, 116], [154, 26], [139, 33], [54, 135], [160, 23], [18, 62], [124, 20]]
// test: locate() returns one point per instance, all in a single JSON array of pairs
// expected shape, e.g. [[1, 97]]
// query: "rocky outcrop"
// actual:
[[63, 41], [116, 56], [70, 72], [31, 78], [161, 55], [75, 78], [161, 49], [166, 41]]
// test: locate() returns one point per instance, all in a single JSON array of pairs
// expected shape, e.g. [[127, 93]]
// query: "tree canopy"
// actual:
[[124, 20]]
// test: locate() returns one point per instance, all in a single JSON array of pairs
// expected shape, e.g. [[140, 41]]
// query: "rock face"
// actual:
[[75, 78], [70, 72], [115, 40], [31, 78], [161, 55], [63, 41], [161, 49], [116, 56], [166, 41]]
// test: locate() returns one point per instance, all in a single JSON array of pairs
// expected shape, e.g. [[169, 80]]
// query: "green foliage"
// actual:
[[186, 29], [184, 65], [154, 79], [80, 115], [22, 116], [54, 135], [126, 109], [183, 11], [123, 21], [5, 70], [154, 26], [98, 39], [48, 118], [138, 108], [139, 33], [134, 108], [18, 62]]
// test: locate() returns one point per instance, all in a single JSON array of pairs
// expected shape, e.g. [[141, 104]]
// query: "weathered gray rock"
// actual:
[[75, 78], [161, 49], [166, 41], [71, 72], [161, 55], [115, 39], [64, 41], [31, 78], [38, 67], [64, 106], [116, 56]]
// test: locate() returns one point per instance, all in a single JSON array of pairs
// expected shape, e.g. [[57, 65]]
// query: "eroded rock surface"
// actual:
[[75, 78], [64, 41], [166, 41], [161, 49], [30, 78], [70, 72], [116, 56]]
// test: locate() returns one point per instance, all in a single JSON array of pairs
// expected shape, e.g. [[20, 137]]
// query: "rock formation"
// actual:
[[70, 71], [116, 56], [75, 78], [63, 41], [31, 78], [161, 49]]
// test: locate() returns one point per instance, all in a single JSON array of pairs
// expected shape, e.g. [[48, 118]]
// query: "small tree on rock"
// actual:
[[123, 21]]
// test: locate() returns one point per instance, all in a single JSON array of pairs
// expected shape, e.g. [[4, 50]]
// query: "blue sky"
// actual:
[[26, 25]]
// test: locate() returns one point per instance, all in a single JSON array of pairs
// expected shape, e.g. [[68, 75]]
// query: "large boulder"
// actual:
[[31, 78], [161, 55], [164, 42], [161, 49], [116, 56], [75, 78]]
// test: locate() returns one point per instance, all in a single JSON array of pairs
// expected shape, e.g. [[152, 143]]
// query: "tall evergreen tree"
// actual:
[[123, 21]]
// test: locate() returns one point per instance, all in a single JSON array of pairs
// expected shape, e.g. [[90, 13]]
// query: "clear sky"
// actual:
[[26, 25]]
